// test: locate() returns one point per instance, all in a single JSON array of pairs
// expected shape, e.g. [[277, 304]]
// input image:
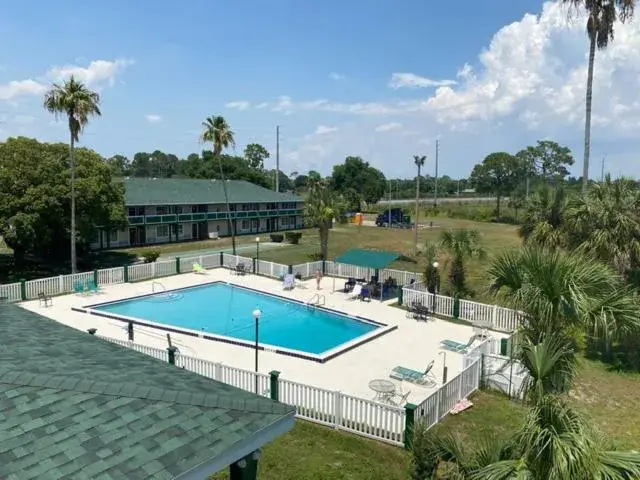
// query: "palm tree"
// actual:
[[77, 103], [431, 277], [321, 207], [559, 291], [606, 223], [601, 18], [419, 161], [543, 223], [462, 244], [555, 442], [217, 131]]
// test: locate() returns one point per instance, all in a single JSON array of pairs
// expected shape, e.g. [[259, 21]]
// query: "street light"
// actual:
[[444, 367], [257, 254], [435, 286], [256, 316]]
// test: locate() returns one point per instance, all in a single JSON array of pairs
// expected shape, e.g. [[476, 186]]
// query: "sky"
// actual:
[[378, 79]]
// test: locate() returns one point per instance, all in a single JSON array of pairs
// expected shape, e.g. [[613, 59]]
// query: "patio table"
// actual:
[[385, 390]]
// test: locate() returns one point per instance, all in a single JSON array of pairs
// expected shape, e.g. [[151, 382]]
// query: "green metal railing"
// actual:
[[203, 216]]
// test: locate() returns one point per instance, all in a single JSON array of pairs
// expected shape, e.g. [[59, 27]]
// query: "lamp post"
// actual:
[[444, 367], [257, 254], [435, 285], [256, 316]]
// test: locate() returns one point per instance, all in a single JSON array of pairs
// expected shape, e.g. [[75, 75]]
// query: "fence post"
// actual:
[[95, 277], [438, 396], [130, 331], [217, 372], [125, 274], [337, 409], [177, 264], [274, 387], [200, 260], [400, 294], [253, 262], [456, 306], [61, 284], [153, 270], [172, 354], [409, 421], [324, 266], [494, 316], [23, 289], [222, 259]]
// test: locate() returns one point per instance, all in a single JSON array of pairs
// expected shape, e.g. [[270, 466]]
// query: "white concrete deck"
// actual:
[[413, 344]]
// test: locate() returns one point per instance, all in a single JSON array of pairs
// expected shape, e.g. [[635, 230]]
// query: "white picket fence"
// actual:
[[437, 405], [489, 316], [492, 317], [328, 407]]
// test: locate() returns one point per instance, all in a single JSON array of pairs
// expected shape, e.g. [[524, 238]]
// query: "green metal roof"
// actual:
[[74, 406], [185, 191], [368, 258]]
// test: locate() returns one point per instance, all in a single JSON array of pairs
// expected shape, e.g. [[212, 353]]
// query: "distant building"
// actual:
[[166, 210]]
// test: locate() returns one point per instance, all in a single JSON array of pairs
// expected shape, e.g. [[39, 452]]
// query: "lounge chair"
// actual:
[[240, 270], [349, 285], [457, 346], [79, 288], [91, 287], [365, 293], [44, 300], [414, 376], [197, 268], [289, 282], [356, 292]]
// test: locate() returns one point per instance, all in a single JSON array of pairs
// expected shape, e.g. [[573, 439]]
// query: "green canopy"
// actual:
[[368, 258]]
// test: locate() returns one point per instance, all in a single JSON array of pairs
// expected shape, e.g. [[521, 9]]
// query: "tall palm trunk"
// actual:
[[415, 222], [72, 161], [324, 238], [587, 118], [230, 224]]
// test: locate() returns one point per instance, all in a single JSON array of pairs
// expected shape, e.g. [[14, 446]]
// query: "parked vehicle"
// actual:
[[393, 217]]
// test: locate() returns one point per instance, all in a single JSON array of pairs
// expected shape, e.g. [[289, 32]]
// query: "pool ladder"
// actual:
[[319, 300], [154, 286]]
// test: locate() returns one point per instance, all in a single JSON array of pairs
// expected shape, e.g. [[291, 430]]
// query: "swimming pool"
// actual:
[[220, 311]]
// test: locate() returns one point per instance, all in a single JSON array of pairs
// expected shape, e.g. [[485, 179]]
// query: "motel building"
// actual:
[[163, 210]]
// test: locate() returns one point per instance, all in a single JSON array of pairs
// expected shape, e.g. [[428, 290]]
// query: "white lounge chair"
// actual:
[[356, 292], [289, 282]]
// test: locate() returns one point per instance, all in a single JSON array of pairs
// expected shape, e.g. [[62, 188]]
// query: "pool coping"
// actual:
[[319, 358]]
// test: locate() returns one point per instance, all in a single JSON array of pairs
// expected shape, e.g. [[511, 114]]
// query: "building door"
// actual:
[[195, 231], [142, 235], [132, 236]]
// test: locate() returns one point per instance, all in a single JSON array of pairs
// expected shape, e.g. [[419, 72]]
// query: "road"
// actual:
[[404, 201]]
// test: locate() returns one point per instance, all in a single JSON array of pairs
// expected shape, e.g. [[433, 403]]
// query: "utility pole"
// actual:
[[419, 161], [435, 185], [389, 203], [277, 158]]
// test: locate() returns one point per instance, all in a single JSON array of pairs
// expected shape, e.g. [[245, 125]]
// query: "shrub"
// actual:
[[293, 237], [150, 256], [276, 237], [315, 257]]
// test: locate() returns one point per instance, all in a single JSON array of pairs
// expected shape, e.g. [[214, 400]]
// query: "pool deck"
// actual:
[[413, 344]]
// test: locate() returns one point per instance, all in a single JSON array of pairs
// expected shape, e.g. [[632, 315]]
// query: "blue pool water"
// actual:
[[226, 310]]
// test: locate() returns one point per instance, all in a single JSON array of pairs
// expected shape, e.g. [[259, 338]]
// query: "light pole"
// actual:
[[419, 161], [435, 286], [256, 316], [257, 255], [444, 367]]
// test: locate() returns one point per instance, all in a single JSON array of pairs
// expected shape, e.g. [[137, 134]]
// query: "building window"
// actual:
[[162, 210], [162, 231], [177, 209], [245, 224], [179, 229], [136, 211], [113, 236], [287, 206]]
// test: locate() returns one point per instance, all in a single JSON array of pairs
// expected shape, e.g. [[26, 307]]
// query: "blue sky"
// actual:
[[340, 78]]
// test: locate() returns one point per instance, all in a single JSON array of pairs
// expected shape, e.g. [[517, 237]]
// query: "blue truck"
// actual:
[[393, 217]]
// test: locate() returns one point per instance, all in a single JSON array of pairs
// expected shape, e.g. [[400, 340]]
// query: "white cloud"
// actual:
[[411, 80], [337, 76], [389, 127], [20, 88], [238, 104], [323, 130], [95, 74], [151, 118], [262, 105]]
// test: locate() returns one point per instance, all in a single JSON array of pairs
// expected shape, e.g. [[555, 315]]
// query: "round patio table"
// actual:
[[385, 389]]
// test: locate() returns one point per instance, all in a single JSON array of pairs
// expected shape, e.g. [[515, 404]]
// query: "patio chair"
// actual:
[[289, 282], [197, 268], [365, 293], [402, 399], [349, 284], [356, 292], [240, 269], [79, 288], [414, 376], [91, 287], [457, 346], [44, 300]]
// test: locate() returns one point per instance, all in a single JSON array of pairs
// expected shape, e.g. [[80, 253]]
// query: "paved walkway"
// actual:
[[413, 344]]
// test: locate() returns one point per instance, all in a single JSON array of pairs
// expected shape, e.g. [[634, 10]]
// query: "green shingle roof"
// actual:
[[183, 191], [73, 406]]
